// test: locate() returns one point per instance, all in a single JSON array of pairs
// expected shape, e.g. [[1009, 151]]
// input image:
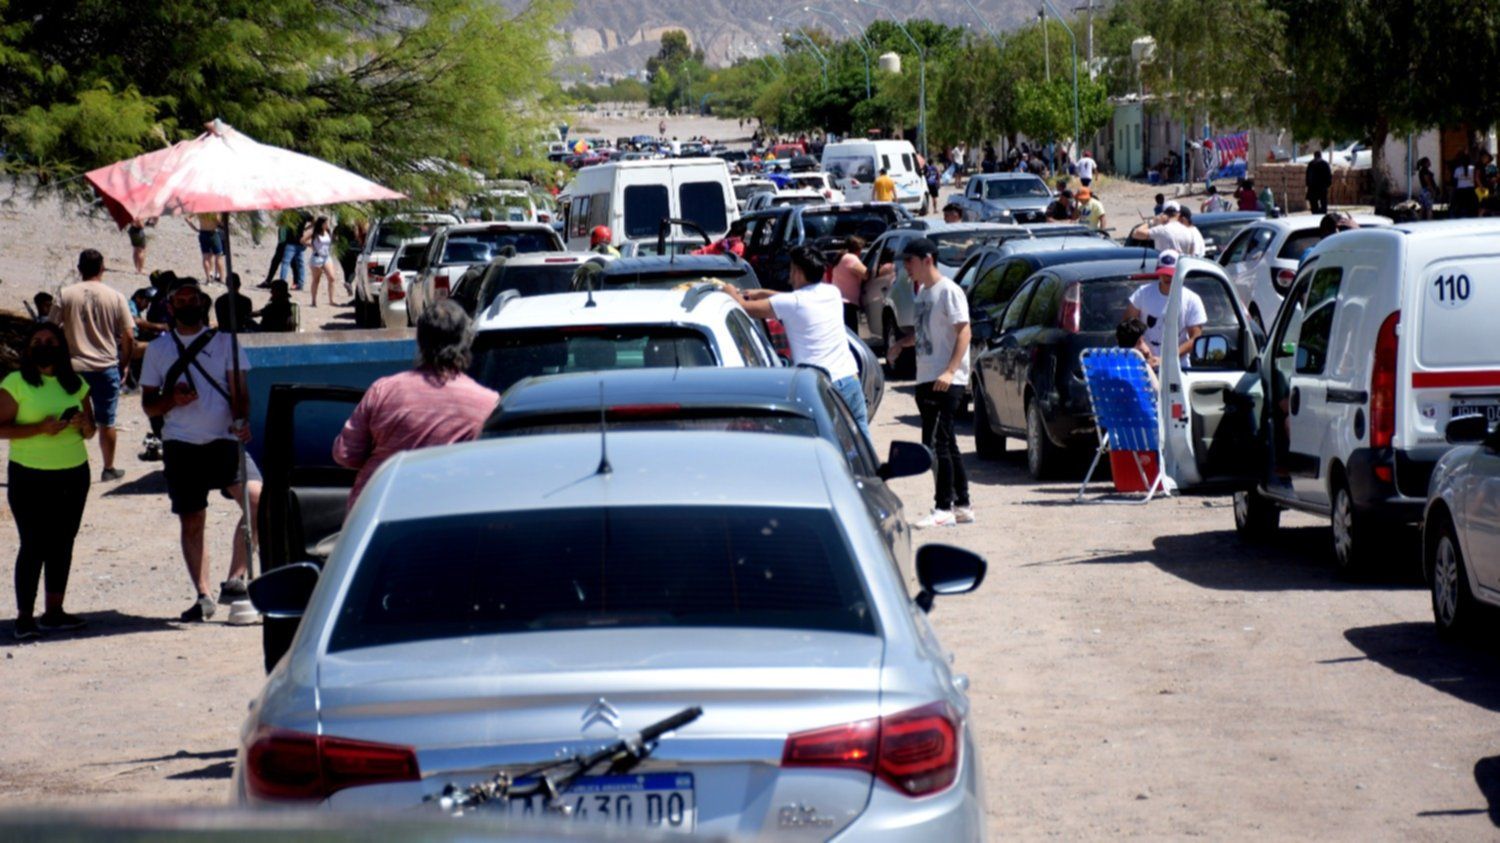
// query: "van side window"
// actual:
[[646, 205], [703, 203], [1042, 312], [885, 163], [598, 210], [578, 214], [1017, 308], [1317, 320], [908, 163]]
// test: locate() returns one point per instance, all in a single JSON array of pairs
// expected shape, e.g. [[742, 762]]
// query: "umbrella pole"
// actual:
[[234, 361]]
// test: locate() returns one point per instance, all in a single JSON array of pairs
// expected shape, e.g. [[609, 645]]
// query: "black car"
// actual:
[[771, 234], [992, 274], [1028, 382], [662, 272], [528, 275]]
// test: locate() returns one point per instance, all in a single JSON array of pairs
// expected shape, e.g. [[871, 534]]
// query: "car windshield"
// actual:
[[1016, 188], [1105, 300], [394, 232], [1218, 234], [954, 246], [501, 358], [654, 418], [743, 192], [482, 246], [665, 278], [536, 280], [497, 573], [868, 223]]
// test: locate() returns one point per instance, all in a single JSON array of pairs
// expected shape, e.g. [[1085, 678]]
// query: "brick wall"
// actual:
[[1289, 182]]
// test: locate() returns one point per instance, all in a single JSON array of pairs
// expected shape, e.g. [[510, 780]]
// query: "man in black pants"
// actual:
[[1319, 179], [941, 340]]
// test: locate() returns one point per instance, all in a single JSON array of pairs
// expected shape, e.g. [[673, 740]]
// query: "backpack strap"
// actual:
[[188, 356]]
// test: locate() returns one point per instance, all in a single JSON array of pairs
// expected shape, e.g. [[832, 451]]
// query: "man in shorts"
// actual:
[[101, 338], [210, 245], [188, 378]]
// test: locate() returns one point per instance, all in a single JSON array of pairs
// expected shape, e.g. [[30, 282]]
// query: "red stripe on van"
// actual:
[[1449, 380]]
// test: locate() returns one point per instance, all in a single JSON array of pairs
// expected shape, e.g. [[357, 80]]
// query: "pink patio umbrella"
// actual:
[[221, 172]]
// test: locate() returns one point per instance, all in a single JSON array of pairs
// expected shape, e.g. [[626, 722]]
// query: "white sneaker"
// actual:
[[963, 514], [937, 518]]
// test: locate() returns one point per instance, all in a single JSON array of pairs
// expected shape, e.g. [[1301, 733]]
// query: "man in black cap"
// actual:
[[941, 340]]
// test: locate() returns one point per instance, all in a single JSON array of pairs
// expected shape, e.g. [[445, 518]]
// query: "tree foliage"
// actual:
[[674, 72], [383, 87]]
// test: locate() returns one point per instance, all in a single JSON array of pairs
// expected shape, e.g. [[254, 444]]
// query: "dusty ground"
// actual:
[[1136, 670]]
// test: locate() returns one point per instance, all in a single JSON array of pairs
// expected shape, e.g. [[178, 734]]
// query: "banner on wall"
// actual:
[[1225, 156]]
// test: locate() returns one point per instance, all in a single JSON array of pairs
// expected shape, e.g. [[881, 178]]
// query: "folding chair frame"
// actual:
[[1153, 487]]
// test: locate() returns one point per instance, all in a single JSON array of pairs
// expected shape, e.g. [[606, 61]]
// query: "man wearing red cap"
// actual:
[[1149, 304]]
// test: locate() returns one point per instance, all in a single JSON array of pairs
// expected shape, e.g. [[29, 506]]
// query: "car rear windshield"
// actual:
[[503, 357], [652, 418], [743, 192], [394, 232], [954, 247], [1014, 188], [868, 223], [666, 278], [536, 280], [1105, 300], [482, 246], [496, 573], [411, 258]]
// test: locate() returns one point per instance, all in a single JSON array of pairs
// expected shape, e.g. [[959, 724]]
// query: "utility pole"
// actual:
[[1041, 17]]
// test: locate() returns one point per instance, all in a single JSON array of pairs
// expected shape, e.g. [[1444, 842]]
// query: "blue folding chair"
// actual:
[[1124, 402]]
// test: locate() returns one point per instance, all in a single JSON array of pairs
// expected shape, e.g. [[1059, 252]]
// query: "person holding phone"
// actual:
[[46, 415]]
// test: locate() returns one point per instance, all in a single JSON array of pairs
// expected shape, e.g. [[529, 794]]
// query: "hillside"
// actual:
[[611, 36]]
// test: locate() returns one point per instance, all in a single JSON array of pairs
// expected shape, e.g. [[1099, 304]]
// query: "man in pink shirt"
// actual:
[[433, 404]]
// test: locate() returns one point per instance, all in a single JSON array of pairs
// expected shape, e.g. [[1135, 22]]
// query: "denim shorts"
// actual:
[[104, 391], [210, 243]]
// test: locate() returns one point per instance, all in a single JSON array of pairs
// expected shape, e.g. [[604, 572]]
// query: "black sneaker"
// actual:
[[27, 630], [111, 474], [153, 449], [232, 590], [201, 610], [60, 622]]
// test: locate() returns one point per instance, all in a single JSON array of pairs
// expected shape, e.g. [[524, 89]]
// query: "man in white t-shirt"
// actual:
[[813, 315], [941, 340], [1167, 231], [1149, 304], [188, 377], [1086, 167]]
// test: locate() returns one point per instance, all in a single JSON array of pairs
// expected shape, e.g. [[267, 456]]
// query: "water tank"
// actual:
[[1143, 50], [890, 62]]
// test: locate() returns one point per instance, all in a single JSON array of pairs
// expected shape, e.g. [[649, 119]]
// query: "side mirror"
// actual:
[[944, 569], [983, 328], [285, 592], [1210, 350], [905, 459], [1467, 430]]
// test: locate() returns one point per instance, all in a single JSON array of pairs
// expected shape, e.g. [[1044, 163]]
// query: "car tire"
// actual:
[[988, 444], [1042, 457], [1454, 608], [1354, 538], [1256, 518]]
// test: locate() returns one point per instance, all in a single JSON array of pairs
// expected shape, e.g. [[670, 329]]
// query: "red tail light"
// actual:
[[1383, 384], [374, 267], [914, 751], [295, 766], [1070, 315], [1284, 279], [395, 287], [440, 286], [777, 332], [828, 193]]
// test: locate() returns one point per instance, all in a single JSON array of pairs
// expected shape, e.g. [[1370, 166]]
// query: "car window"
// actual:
[[501, 358], [578, 216], [954, 246], [1235, 252], [484, 246], [1299, 242], [1104, 301], [843, 430], [1042, 312], [868, 223], [393, 232], [849, 429], [702, 202], [1029, 188], [1317, 320], [499, 573], [410, 259], [646, 206], [969, 272], [1017, 308], [528, 280], [761, 233], [1259, 241], [694, 419], [1003, 280], [743, 334]]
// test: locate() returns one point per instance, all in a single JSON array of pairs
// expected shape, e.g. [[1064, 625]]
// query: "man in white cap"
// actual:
[[1149, 304], [1167, 231]]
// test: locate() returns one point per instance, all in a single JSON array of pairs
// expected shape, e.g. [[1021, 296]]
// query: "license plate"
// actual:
[[1487, 407], [659, 801]]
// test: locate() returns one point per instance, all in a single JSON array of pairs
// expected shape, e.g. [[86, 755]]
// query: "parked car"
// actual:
[[535, 274], [456, 248], [816, 181], [993, 274], [1217, 228], [608, 582], [1352, 154], [373, 264], [770, 235], [854, 164], [390, 291], [1028, 383], [1385, 338], [1262, 259], [1004, 197], [1460, 530], [746, 188], [790, 196]]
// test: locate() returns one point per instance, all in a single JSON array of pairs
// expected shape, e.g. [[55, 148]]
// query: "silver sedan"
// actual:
[[507, 603]]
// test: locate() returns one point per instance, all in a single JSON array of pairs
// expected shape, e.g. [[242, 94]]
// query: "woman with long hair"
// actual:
[[319, 241], [45, 415]]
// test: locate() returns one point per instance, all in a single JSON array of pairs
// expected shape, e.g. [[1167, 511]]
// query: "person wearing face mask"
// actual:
[[188, 378], [46, 415]]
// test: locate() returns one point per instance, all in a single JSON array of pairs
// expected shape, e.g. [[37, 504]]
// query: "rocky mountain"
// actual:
[[617, 36]]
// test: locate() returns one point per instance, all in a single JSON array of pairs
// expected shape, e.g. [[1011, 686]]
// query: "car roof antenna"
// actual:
[[604, 466]]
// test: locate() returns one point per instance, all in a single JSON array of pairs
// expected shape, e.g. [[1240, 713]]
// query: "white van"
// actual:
[[854, 164], [633, 197], [1385, 336]]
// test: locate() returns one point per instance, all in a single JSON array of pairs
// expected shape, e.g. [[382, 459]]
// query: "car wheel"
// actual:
[[1256, 518], [1042, 456], [1352, 532], [988, 444], [1453, 605]]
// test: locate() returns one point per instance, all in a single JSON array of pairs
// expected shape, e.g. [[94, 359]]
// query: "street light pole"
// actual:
[[1074, 39], [860, 43], [922, 80], [817, 53], [984, 21]]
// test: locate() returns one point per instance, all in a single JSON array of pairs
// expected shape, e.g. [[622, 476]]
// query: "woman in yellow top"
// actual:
[[45, 415]]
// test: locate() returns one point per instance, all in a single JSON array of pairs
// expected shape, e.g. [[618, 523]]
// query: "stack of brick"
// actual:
[[1289, 181]]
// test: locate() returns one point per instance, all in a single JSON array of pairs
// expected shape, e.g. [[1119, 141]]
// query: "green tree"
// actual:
[[674, 72], [380, 86]]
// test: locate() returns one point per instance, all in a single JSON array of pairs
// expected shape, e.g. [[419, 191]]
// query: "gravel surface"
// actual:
[[1136, 671]]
